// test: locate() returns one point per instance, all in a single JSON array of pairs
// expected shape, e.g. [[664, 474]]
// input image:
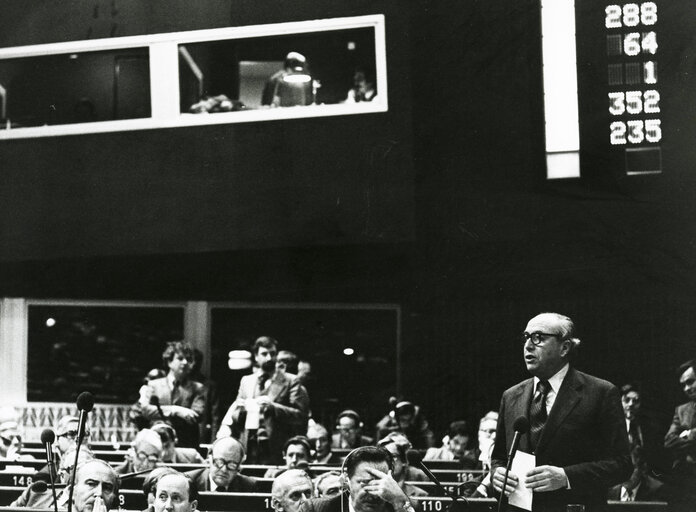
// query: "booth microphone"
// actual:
[[48, 437], [85, 403], [520, 426]]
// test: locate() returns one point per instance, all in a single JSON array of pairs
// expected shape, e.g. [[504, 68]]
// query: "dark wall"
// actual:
[[339, 180], [493, 242]]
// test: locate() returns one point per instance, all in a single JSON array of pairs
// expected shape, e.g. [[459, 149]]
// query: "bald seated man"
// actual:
[[96, 487], [290, 490], [175, 493], [222, 474]]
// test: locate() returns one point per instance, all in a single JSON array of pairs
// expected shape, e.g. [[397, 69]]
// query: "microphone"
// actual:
[[135, 473], [48, 437], [444, 492], [520, 426], [85, 403], [154, 400]]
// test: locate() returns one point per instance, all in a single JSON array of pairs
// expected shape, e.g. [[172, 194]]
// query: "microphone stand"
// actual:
[[51, 470], [455, 498]]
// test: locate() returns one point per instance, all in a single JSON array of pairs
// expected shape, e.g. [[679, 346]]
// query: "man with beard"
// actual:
[[368, 475], [175, 398], [271, 407]]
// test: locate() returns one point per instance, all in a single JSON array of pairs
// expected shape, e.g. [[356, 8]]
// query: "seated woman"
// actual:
[[456, 445]]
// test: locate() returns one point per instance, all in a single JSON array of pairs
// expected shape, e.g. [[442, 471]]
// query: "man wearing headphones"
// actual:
[[171, 453], [349, 435], [398, 445], [296, 455], [367, 473]]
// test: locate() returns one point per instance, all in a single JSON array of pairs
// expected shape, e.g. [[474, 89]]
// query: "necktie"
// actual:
[[537, 412], [634, 434], [175, 392]]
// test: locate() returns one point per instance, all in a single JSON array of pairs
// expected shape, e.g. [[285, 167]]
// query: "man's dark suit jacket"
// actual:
[[585, 434], [330, 504], [241, 483]]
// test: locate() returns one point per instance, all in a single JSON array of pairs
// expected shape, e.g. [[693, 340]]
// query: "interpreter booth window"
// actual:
[[327, 67], [347, 355], [320, 68], [77, 87], [105, 349]]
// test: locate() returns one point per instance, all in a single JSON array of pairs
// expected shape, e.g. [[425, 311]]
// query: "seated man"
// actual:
[[222, 474], [319, 439], [486, 440], [349, 431], [175, 492], [327, 484], [456, 446], [66, 434], [172, 453], [39, 495], [290, 490], [296, 455], [96, 487], [144, 453], [397, 445], [10, 437], [150, 484], [370, 486], [408, 419]]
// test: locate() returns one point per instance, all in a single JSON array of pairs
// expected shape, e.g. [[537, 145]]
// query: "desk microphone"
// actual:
[[85, 403], [48, 437], [521, 426]]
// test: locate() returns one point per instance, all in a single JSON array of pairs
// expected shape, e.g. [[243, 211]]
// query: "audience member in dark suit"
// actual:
[[349, 429], [577, 430], [370, 486], [407, 418], [145, 453], [680, 440], [182, 401], [644, 436], [296, 452], [281, 401], [319, 439], [222, 474]]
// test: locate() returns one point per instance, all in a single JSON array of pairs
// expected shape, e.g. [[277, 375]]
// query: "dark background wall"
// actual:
[[468, 236]]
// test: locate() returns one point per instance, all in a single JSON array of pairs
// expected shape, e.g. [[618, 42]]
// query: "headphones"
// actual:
[[350, 413], [165, 431], [345, 481]]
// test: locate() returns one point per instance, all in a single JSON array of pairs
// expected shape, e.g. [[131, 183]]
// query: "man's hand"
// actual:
[[546, 478], [186, 414], [385, 487], [98, 505], [499, 478], [264, 402]]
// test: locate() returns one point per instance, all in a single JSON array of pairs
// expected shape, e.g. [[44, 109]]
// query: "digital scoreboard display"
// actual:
[[636, 86]]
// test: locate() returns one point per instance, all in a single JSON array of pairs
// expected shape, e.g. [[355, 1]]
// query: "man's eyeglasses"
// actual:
[[150, 458], [72, 434], [538, 337], [229, 464], [7, 441]]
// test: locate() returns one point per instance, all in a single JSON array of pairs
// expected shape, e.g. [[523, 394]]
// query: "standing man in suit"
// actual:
[[680, 440], [222, 474], [577, 431], [179, 400], [279, 400]]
